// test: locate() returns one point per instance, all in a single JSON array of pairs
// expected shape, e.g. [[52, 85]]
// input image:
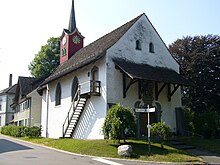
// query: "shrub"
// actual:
[[20, 131], [119, 123], [160, 130], [189, 116], [33, 131], [206, 124]]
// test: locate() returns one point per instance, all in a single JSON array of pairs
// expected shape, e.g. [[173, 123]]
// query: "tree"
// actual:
[[47, 59], [161, 130], [199, 58], [119, 123]]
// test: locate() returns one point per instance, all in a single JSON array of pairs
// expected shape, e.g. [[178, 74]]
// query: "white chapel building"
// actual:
[[130, 65]]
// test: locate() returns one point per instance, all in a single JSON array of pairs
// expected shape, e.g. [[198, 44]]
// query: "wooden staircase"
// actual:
[[73, 117], [84, 91]]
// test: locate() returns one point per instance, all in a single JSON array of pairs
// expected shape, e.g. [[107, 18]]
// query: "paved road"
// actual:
[[16, 152]]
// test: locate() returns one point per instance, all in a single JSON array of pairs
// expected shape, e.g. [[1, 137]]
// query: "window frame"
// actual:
[[138, 45], [75, 83], [151, 47], [58, 95]]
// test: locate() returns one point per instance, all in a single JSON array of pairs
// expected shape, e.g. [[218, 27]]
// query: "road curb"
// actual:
[[109, 158]]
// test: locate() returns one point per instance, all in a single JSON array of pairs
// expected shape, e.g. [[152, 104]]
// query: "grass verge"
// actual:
[[109, 149]]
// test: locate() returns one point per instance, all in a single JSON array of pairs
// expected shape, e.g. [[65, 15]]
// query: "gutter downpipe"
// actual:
[[47, 117]]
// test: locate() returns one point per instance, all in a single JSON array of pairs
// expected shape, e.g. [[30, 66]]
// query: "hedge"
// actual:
[[21, 131]]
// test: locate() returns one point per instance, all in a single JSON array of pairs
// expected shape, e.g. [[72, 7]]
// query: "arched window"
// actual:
[[151, 47], [138, 45], [75, 86], [58, 95]]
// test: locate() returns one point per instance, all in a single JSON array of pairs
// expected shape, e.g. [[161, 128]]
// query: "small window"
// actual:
[[151, 47], [63, 51], [58, 95], [138, 45]]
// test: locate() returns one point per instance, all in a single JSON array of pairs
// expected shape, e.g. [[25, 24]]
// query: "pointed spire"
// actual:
[[72, 21]]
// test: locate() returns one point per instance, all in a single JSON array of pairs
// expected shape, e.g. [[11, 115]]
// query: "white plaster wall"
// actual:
[[44, 114], [92, 119], [168, 108], [57, 114], [143, 31], [125, 48]]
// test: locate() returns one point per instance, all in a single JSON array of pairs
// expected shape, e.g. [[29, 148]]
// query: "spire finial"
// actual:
[[72, 21]]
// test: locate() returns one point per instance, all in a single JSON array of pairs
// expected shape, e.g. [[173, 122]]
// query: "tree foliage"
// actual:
[[199, 58], [161, 130], [47, 59], [119, 123]]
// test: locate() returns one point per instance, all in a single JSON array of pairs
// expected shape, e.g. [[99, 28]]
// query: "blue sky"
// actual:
[[27, 24]]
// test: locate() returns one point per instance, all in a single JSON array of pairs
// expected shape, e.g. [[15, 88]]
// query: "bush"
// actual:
[[21, 131], [189, 116], [160, 130], [206, 124], [33, 131], [119, 123]]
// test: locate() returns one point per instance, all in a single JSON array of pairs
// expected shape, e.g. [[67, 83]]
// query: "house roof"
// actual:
[[27, 85], [9, 90], [148, 72], [91, 53]]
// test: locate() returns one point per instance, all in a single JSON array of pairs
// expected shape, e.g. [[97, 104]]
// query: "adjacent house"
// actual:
[[27, 102], [6, 98], [130, 65]]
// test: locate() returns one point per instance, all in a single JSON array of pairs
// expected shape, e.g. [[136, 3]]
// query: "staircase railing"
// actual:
[[90, 87], [71, 112]]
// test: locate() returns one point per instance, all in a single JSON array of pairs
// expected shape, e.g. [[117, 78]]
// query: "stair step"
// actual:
[[77, 113], [68, 132], [71, 128], [74, 120], [80, 105], [73, 123], [75, 116]]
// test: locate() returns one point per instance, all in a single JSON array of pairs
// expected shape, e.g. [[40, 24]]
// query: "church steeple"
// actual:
[[71, 40], [72, 21]]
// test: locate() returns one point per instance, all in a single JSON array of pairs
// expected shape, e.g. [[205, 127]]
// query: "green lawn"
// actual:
[[109, 149], [212, 145]]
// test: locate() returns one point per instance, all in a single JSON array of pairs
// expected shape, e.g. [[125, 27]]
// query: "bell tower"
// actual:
[[71, 40]]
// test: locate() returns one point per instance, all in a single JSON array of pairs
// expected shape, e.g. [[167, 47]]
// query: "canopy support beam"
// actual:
[[127, 86], [158, 91]]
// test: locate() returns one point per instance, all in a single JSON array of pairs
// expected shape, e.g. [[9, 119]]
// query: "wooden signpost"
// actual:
[[148, 110]]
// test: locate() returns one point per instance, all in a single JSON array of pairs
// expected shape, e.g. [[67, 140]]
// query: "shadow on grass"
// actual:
[[141, 148]]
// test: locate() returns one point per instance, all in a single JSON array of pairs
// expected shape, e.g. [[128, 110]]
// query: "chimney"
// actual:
[[10, 80]]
